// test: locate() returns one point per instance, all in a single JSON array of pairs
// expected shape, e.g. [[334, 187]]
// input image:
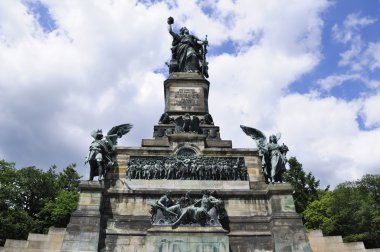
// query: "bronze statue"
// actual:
[[100, 156], [208, 211], [187, 123], [164, 119], [188, 52], [187, 168], [273, 154], [199, 211]]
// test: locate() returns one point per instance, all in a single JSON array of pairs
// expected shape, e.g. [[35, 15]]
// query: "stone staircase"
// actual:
[[51, 242], [320, 243]]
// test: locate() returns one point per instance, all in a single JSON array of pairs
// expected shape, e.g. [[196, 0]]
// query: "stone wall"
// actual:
[[51, 242]]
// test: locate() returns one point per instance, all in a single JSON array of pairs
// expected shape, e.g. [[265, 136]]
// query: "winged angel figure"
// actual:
[[101, 152], [273, 154]]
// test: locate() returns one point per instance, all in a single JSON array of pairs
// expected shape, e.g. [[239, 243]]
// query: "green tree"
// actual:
[[56, 212], [15, 222], [32, 200], [324, 219], [306, 186], [69, 179], [35, 188], [351, 210]]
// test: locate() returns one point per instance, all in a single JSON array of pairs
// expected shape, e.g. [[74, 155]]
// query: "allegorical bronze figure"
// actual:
[[207, 211], [188, 52], [273, 154], [100, 156]]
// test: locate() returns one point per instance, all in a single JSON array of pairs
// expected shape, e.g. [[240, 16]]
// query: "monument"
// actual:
[[186, 189]]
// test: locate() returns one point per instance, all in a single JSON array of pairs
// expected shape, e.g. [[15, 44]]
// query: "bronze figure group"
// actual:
[[187, 168], [206, 211]]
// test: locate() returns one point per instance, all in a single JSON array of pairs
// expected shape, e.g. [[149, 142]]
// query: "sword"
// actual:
[[163, 208], [204, 56]]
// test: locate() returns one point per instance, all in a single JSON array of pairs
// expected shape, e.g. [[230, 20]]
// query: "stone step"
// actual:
[[320, 243], [326, 239], [37, 237], [315, 233], [11, 243], [56, 231], [45, 245], [355, 246], [2, 249]]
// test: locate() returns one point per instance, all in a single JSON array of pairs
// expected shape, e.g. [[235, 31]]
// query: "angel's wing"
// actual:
[[258, 136], [278, 136], [165, 119], [252, 132], [119, 131], [93, 134]]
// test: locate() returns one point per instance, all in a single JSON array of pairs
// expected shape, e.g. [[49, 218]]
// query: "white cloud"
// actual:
[[373, 55], [350, 34], [332, 81], [371, 111], [360, 59], [99, 68], [323, 133], [351, 25], [355, 21]]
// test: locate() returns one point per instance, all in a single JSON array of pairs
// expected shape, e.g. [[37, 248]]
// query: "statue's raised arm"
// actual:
[[188, 52], [170, 29]]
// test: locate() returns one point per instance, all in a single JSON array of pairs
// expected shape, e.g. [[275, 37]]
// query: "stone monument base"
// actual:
[[187, 239]]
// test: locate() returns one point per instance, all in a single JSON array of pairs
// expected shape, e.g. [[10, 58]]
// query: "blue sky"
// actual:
[[331, 48], [307, 68]]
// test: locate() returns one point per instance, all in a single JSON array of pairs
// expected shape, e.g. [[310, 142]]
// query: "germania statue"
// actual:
[[188, 52]]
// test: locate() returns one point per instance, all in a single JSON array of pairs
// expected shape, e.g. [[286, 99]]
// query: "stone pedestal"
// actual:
[[84, 229], [287, 227], [186, 93]]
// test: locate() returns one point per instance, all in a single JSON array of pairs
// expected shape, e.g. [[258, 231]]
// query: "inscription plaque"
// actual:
[[191, 99], [187, 98]]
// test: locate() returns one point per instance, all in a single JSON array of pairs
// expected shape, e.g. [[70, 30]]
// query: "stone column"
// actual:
[[286, 225], [83, 231]]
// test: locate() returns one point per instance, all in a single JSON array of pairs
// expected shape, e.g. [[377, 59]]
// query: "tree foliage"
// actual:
[[32, 200], [352, 210], [306, 186]]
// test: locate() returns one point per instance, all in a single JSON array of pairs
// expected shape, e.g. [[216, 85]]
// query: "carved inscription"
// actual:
[[187, 98]]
